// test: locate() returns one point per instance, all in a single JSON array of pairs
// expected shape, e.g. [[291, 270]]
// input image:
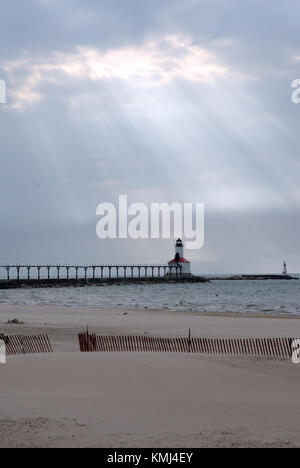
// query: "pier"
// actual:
[[14, 272], [52, 275]]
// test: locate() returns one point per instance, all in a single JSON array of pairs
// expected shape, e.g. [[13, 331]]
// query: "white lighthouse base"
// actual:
[[184, 269]]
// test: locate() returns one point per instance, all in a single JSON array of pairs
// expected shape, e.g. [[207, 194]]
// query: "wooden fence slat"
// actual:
[[40, 344], [263, 347]]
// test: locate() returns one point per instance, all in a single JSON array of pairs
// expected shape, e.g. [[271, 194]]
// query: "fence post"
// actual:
[[87, 339]]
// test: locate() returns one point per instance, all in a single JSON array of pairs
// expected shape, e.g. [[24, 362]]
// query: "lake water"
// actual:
[[266, 297]]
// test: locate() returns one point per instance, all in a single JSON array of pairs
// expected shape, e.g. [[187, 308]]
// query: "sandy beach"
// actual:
[[112, 400], [72, 399]]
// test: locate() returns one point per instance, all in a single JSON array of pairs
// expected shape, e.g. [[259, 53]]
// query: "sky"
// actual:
[[164, 101]]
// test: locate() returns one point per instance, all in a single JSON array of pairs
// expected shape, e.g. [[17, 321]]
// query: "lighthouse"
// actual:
[[284, 269], [179, 260]]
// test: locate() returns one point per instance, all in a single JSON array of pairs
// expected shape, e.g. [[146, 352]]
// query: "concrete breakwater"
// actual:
[[254, 277], [81, 282]]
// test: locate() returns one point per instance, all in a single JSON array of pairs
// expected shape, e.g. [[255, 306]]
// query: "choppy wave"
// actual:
[[266, 297]]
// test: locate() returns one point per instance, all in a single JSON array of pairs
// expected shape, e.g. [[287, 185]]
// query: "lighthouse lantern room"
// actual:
[[180, 260]]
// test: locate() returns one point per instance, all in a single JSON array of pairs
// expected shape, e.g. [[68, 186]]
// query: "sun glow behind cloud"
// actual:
[[155, 63]]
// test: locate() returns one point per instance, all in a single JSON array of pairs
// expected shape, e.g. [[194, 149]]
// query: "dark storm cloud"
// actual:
[[40, 25]]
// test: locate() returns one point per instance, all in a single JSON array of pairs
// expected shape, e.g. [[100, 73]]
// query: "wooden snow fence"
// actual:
[[24, 344], [252, 347]]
